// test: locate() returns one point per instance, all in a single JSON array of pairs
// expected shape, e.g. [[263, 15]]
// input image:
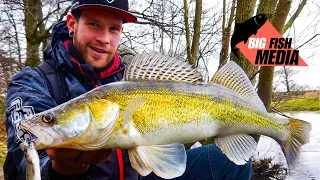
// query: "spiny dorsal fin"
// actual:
[[233, 77], [156, 66]]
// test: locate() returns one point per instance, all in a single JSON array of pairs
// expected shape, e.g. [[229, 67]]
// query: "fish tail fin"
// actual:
[[235, 52], [299, 135]]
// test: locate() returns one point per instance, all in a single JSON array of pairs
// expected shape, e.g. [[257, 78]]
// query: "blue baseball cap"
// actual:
[[118, 7]]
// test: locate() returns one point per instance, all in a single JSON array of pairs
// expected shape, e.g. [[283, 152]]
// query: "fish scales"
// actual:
[[152, 113], [174, 104]]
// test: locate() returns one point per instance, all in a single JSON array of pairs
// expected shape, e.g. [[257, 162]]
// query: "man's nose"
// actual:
[[104, 37]]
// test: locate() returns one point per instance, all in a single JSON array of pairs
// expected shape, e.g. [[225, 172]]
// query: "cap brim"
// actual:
[[126, 16]]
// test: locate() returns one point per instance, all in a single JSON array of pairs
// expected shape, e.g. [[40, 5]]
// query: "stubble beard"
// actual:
[[83, 50]]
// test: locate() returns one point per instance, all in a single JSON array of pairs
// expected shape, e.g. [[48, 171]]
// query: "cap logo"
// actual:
[[110, 1]]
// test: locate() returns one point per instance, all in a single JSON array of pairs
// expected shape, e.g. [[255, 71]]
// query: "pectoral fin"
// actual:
[[166, 161], [238, 148], [131, 107]]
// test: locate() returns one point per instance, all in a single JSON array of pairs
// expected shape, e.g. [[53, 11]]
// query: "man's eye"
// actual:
[[114, 29], [94, 24]]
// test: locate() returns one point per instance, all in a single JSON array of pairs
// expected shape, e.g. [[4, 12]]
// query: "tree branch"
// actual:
[[196, 34], [295, 15], [186, 22]]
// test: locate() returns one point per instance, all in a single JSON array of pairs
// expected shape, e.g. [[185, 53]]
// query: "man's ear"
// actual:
[[71, 21]]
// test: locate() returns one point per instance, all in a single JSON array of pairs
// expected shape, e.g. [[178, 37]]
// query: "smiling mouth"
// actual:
[[98, 50]]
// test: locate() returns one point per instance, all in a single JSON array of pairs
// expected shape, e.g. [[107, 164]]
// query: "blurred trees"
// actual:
[[37, 27], [183, 29], [196, 30], [8, 66], [27, 23], [285, 78]]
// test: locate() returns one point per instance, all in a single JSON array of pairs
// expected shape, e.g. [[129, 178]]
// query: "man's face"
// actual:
[[96, 35]]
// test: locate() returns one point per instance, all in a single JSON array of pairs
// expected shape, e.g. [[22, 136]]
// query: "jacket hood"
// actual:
[[59, 33]]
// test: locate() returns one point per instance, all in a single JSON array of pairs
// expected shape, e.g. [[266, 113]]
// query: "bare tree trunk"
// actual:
[[192, 51], [33, 16], [196, 33], [295, 15], [266, 73], [226, 33], [36, 33], [286, 78], [267, 7], [33, 58], [162, 32], [186, 23], [245, 10]]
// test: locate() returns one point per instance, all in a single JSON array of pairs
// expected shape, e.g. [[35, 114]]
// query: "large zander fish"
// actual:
[[161, 105]]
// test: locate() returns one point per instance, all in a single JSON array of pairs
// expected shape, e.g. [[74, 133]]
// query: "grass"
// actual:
[[297, 105]]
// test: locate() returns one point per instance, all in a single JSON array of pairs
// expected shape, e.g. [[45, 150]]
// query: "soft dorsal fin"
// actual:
[[156, 66], [233, 77]]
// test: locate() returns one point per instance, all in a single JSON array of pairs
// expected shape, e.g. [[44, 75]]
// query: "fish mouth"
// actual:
[[45, 136]]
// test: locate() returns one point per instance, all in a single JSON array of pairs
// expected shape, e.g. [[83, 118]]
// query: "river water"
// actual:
[[308, 167]]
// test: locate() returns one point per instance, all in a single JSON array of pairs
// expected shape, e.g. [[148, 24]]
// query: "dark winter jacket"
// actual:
[[28, 94]]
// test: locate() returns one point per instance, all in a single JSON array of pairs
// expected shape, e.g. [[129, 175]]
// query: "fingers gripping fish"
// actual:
[[161, 105]]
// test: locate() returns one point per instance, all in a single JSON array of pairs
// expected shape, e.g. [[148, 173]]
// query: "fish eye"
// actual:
[[48, 117]]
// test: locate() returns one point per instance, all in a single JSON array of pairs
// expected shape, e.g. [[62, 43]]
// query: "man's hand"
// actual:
[[71, 162]]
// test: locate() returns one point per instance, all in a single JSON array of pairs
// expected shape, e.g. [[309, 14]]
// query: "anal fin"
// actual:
[[238, 148]]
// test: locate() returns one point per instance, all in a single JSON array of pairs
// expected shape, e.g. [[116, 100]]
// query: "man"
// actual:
[[83, 49]]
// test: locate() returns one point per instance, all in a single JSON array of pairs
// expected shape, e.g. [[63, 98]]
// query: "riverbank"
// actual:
[[294, 105], [296, 101]]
